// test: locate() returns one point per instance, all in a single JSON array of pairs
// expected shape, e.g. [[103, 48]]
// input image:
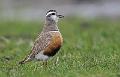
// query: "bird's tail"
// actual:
[[27, 59]]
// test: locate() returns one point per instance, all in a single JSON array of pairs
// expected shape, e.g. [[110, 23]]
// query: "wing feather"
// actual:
[[41, 43]]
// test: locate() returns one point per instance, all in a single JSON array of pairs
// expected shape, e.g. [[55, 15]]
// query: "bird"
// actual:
[[49, 40]]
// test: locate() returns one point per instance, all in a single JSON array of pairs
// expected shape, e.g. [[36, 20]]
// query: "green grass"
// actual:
[[90, 49]]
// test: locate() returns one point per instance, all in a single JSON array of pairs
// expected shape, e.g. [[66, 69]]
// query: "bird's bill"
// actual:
[[60, 16]]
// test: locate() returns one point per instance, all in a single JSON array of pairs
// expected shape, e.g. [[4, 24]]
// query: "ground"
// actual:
[[91, 48]]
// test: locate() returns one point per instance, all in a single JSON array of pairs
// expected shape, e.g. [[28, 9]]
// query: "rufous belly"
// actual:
[[55, 44]]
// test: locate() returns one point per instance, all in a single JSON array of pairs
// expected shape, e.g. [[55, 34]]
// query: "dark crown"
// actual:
[[51, 11]]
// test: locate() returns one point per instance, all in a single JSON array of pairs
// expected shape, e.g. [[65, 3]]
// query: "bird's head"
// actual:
[[52, 15]]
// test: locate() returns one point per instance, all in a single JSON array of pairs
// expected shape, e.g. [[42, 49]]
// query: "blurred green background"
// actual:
[[90, 30]]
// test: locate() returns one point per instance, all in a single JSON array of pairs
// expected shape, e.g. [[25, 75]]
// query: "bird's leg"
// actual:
[[45, 63]]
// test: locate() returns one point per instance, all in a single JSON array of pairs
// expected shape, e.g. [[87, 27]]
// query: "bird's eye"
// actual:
[[53, 13]]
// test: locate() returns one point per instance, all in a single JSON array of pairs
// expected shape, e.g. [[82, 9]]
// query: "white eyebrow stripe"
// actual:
[[49, 13]]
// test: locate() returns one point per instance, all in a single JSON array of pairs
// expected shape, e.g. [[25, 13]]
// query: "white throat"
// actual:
[[55, 18]]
